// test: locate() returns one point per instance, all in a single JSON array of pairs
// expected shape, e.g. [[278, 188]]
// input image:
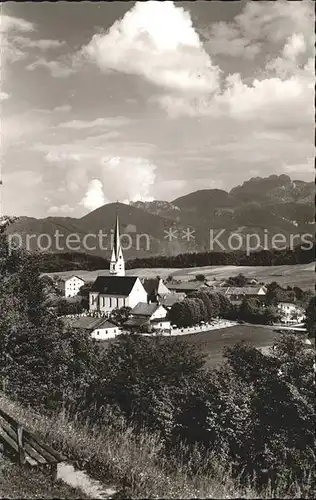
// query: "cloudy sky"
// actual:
[[125, 101]]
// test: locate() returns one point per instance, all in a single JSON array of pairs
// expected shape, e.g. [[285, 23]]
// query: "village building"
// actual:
[[69, 286], [150, 317], [98, 328], [156, 289], [291, 313], [171, 298], [237, 294], [116, 290], [187, 286]]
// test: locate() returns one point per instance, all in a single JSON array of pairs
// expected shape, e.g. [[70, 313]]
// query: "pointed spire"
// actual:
[[116, 242], [117, 265]]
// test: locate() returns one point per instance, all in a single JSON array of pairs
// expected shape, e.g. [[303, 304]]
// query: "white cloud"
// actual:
[[55, 156], [283, 94], [4, 96], [226, 38], [99, 122], [94, 197], [295, 46], [58, 69], [157, 41], [14, 47], [274, 21], [41, 44], [62, 209], [63, 108], [9, 23], [128, 178]]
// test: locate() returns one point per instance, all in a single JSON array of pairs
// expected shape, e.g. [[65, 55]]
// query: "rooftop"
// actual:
[[135, 322], [144, 309], [243, 290], [88, 323], [189, 286], [114, 285]]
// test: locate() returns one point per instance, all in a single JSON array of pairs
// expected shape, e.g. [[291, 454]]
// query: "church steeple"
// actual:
[[117, 264]]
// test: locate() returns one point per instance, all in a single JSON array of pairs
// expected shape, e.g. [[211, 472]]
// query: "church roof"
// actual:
[[114, 285]]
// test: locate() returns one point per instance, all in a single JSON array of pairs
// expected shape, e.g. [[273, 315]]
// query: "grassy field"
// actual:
[[301, 275], [213, 343], [17, 482]]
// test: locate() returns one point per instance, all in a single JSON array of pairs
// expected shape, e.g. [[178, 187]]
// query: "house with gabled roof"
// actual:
[[98, 328], [155, 288], [153, 316], [69, 285]]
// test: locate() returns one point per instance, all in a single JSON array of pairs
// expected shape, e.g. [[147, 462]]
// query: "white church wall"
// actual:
[[138, 294]]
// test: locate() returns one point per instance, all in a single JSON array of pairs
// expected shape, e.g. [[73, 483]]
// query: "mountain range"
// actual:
[[262, 206]]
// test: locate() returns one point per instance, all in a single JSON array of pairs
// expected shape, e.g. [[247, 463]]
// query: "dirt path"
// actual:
[[81, 480]]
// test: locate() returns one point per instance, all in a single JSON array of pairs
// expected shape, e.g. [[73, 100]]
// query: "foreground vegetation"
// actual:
[[134, 461], [147, 413], [16, 483]]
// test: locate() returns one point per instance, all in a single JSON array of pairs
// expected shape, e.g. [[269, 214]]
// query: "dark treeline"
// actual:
[[260, 258], [58, 262]]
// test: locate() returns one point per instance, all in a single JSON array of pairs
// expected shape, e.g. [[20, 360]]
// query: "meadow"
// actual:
[[213, 343], [301, 275]]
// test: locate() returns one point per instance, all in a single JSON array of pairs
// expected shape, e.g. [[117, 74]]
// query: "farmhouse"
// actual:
[[69, 286], [156, 289], [99, 328], [186, 286], [152, 316], [237, 294], [291, 312], [117, 290], [171, 298]]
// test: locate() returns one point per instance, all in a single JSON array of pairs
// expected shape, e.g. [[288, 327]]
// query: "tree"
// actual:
[[120, 315], [275, 293], [139, 375], [84, 294], [200, 277], [41, 363], [239, 280], [311, 317], [66, 307], [281, 401]]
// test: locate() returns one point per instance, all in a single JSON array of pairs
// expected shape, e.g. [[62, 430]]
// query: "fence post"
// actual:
[[21, 445], [53, 471]]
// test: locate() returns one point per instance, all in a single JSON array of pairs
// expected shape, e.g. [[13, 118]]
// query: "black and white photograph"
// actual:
[[157, 249]]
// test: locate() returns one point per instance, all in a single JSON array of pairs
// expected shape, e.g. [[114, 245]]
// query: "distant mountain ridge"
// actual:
[[274, 204]]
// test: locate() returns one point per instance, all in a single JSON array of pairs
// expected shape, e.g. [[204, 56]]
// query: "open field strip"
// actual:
[[301, 275]]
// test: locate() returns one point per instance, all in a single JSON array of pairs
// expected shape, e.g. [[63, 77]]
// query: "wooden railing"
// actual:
[[25, 447]]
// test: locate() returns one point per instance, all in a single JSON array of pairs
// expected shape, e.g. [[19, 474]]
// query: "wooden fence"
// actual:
[[26, 448]]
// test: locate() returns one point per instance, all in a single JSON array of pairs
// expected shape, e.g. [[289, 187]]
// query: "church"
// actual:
[[116, 290]]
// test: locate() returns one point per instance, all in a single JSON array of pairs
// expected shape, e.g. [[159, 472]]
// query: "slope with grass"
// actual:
[[17, 482], [135, 464]]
